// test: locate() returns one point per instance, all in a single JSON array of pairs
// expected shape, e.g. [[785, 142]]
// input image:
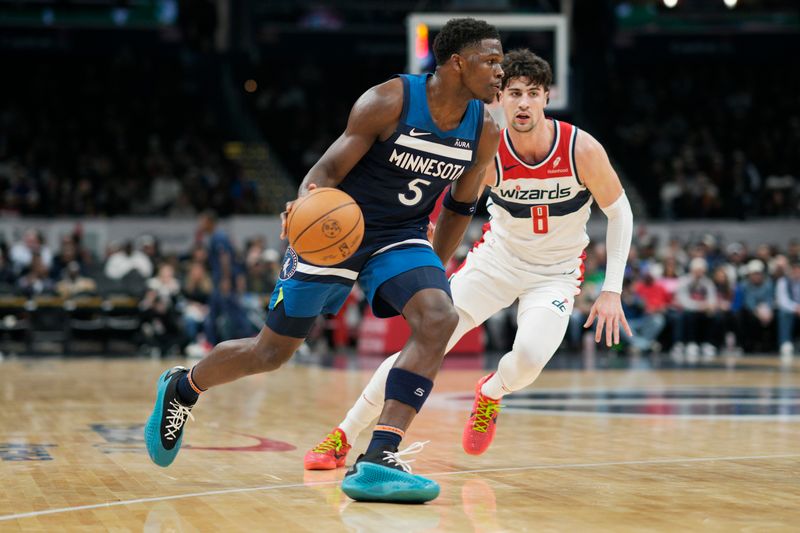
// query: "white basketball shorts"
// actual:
[[491, 278]]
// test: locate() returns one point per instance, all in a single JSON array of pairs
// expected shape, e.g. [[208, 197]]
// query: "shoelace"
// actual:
[[486, 411], [395, 457], [332, 442], [176, 419]]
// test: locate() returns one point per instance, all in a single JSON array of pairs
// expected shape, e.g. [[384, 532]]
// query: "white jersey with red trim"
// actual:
[[539, 212]]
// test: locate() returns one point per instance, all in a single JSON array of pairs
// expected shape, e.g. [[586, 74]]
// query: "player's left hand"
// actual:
[[431, 229], [289, 206], [608, 311]]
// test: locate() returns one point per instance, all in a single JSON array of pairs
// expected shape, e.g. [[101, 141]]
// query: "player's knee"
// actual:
[[536, 349], [435, 323], [534, 354]]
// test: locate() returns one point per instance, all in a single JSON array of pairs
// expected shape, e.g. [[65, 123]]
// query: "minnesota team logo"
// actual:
[[331, 228], [289, 264]]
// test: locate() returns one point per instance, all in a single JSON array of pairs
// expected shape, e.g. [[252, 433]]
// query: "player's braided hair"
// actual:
[[522, 63], [458, 34]]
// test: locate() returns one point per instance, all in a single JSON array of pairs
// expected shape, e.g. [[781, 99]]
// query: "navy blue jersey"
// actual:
[[398, 180]]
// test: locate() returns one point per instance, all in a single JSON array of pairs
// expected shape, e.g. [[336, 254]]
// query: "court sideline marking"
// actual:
[[438, 474]]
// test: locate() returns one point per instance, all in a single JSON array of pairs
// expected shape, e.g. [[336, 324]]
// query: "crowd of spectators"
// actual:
[[187, 302], [698, 141], [708, 141], [692, 300], [129, 134], [136, 135], [700, 299]]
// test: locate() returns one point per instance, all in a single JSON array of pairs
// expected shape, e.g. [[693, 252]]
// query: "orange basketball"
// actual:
[[325, 227]]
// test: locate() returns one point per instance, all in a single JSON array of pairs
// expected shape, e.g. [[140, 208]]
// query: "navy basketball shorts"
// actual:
[[389, 275]]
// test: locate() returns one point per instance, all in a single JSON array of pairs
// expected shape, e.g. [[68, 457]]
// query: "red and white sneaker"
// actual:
[[479, 429], [329, 454]]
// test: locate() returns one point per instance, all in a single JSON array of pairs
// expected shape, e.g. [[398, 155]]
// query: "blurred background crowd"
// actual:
[[189, 110], [698, 111], [693, 300]]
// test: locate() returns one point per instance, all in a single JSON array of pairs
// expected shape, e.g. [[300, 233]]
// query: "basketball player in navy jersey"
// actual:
[[545, 177], [406, 140]]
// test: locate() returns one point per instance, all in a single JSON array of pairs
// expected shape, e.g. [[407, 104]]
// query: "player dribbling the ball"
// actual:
[[406, 140], [325, 227]]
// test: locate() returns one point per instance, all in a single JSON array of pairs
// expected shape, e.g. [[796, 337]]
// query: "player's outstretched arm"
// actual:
[[374, 116], [595, 170], [464, 193]]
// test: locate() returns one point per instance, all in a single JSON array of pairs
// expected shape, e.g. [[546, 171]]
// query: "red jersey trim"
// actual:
[[559, 163], [498, 167], [574, 164], [553, 149]]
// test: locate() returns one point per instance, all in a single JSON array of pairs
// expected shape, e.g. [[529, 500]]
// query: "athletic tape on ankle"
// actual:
[[192, 384], [408, 388]]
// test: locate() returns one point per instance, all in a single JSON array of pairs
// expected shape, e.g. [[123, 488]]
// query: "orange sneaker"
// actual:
[[479, 430], [329, 454]]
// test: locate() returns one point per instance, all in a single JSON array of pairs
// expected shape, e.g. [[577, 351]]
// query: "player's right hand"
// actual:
[[289, 206], [607, 309]]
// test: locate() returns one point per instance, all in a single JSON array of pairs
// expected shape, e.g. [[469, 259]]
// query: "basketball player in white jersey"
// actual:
[[545, 177]]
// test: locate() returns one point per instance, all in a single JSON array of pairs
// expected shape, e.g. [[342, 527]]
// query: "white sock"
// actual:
[[370, 404], [494, 387]]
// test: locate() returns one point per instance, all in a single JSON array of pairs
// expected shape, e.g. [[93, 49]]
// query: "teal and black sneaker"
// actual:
[[383, 476], [163, 432]]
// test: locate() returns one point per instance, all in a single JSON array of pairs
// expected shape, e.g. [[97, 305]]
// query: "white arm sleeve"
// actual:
[[618, 242]]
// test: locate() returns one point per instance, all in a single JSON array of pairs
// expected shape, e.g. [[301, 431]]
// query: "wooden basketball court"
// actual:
[[585, 450]]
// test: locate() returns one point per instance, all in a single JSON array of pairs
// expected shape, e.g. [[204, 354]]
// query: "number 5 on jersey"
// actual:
[[413, 188], [540, 215]]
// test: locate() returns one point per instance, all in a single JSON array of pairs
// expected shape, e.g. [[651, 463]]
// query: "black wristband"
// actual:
[[462, 208]]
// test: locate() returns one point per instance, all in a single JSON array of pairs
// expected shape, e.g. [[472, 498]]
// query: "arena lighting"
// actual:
[[250, 86], [731, 3], [550, 28], [670, 3], [421, 44]]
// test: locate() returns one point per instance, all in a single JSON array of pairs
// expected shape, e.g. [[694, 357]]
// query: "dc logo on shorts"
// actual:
[[289, 264], [560, 305]]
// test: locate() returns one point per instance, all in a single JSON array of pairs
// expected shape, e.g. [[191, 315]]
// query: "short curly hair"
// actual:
[[458, 34], [522, 63]]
